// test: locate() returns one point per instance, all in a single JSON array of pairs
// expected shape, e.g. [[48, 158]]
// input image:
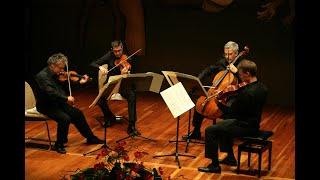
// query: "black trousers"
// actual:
[[64, 114], [130, 95], [222, 135], [197, 120]]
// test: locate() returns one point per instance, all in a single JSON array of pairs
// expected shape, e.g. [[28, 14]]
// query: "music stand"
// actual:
[[178, 102], [106, 91], [141, 82], [194, 89]]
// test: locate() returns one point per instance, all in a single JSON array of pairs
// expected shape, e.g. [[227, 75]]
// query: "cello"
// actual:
[[207, 106]]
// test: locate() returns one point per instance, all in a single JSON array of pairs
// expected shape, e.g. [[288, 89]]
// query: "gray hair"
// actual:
[[58, 57], [232, 45]]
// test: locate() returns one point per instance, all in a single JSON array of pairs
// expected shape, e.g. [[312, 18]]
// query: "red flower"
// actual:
[[161, 170], [119, 149], [122, 143], [103, 153], [99, 166], [148, 177], [139, 154], [126, 158]]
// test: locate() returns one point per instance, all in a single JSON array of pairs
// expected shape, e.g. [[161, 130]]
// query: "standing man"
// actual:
[[244, 116], [111, 58], [53, 101]]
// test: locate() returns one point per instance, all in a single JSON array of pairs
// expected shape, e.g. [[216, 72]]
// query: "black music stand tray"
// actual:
[[194, 89], [106, 91], [139, 84]]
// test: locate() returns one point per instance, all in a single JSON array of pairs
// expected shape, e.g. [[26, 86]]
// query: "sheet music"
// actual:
[[107, 90], [177, 99], [156, 83]]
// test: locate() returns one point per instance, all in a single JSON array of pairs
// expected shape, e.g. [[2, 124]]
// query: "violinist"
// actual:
[[53, 101], [244, 116], [116, 60], [230, 53]]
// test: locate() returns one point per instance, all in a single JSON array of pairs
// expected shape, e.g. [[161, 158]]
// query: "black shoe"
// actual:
[[210, 169], [192, 135], [59, 148], [94, 140], [229, 160]]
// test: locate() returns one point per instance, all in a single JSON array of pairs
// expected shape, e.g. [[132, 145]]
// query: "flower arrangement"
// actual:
[[116, 166]]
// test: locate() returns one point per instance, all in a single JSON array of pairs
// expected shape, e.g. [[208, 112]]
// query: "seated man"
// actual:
[[112, 58], [243, 120], [53, 101], [230, 54]]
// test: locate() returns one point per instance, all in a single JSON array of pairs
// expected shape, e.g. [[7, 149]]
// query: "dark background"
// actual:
[[181, 38]]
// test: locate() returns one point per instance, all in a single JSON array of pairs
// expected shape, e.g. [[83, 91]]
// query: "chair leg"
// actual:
[[239, 160], [48, 135], [270, 155], [249, 158], [259, 164]]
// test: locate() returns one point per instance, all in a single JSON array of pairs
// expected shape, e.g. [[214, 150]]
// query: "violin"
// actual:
[[229, 90], [74, 76], [124, 65]]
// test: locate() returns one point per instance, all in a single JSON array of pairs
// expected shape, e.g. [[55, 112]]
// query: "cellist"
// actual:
[[230, 53]]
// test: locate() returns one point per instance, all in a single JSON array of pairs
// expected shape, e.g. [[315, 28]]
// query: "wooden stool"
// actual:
[[257, 144]]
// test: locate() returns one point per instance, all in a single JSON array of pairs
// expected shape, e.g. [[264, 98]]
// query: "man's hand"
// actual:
[[125, 70], [232, 68], [103, 70], [70, 100], [84, 79], [213, 92]]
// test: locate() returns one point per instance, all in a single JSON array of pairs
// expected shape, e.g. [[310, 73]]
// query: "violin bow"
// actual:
[[68, 75], [124, 60]]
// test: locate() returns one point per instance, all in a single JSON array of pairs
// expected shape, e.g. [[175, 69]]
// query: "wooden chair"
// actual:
[[257, 144], [31, 113], [102, 78]]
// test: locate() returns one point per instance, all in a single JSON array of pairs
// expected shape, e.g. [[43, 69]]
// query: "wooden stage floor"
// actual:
[[156, 122]]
